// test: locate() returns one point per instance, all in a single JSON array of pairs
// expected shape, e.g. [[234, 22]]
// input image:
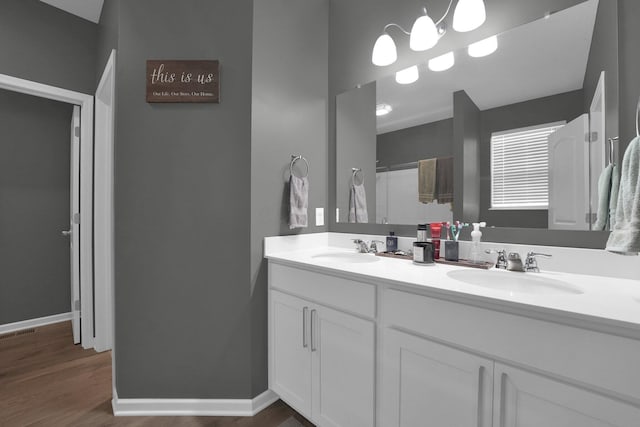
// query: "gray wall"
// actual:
[[603, 56], [466, 158], [415, 143], [34, 207], [182, 207], [356, 146], [289, 116], [565, 106], [41, 43], [107, 35], [628, 36]]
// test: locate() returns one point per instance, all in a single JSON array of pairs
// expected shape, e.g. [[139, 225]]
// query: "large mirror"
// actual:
[[552, 83]]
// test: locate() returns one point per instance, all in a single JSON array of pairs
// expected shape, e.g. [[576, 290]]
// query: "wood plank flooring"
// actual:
[[45, 380]]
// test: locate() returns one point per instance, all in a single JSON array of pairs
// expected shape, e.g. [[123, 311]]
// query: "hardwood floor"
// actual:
[[45, 380]]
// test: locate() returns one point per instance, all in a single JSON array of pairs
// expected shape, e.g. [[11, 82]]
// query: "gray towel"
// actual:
[[625, 236], [604, 191], [426, 180], [444, 180], [298, 201], [358, 204]]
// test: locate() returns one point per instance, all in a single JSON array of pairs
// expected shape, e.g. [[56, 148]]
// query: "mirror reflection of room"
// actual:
[[528, 104]]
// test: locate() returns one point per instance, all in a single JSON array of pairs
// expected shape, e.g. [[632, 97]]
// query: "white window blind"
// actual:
[[520, 167]]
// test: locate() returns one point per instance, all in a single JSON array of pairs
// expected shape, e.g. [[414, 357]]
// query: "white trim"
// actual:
[[34, 323], [86, 185], [103, 204], [192, 407]]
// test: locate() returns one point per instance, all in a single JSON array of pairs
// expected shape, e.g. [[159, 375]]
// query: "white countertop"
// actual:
[[605, 301]]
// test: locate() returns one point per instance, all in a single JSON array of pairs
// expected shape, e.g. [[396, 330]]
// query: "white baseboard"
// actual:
[[192, 407], [34, 323]]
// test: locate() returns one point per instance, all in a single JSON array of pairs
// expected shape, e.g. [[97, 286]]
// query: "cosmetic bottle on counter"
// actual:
[[392, 242], [422, 232]]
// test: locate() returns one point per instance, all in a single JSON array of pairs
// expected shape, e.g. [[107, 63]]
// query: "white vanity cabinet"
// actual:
[[523, 398], [321, 359], [451, 364], [429, 384]]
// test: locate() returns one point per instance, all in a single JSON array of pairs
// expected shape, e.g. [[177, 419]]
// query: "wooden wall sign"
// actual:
[[183, 81]]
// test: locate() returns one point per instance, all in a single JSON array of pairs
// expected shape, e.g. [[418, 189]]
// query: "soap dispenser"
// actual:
[[476, 235]]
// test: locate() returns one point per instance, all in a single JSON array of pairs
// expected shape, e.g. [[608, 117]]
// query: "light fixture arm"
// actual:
[[443, 16], [397, 26]]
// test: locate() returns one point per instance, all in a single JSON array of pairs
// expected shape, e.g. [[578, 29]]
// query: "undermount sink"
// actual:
[[513, 282], [346, 257]]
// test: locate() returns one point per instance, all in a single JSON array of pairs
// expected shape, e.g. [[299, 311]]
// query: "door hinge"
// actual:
[[76, 218], [594, 136], [76, 305], [76, 131]]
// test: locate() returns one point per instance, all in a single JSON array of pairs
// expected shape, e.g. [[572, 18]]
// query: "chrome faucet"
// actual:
[[363, 248], [501, 262], [531, 264]]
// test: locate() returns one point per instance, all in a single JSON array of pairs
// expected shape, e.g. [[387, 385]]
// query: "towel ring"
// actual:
[[354, 173], [294, 159]]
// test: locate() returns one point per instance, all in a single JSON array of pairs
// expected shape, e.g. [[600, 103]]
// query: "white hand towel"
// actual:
[[625, 236], [358, 204], [604, 191], [298, 201]]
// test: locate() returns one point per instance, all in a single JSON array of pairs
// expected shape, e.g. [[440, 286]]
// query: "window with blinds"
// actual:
[[520, 167]]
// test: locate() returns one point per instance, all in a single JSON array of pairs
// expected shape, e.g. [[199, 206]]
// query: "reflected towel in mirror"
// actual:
[[358, 204], [427, 180], [625, 235], [444, 180]]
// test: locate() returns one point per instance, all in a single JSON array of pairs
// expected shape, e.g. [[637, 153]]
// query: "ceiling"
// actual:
[[542, 58], [87, 9]]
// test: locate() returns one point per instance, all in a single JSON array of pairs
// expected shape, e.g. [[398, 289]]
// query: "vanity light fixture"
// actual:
[[469, 15], [483, 47], [408, 75], [442, 62], [383, 109], [384, 51], [425, 32]]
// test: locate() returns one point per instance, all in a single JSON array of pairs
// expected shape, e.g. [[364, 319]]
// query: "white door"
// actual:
[[290, 357], [569, 176], [74, 223], [524, 399], [598, 155], [342, 348], [428, 384]]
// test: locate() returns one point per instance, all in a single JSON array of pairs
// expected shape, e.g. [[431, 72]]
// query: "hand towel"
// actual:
[[444, 180], [358, 204], [604, 192], [426, 180], [625, 236], [298, 201]]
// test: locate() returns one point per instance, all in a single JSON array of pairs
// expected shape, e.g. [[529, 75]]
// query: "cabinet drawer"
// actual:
[[604, 361], [344, 294]]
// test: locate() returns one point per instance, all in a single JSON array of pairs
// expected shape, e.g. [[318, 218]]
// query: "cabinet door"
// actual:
[[343, 349], [289, 355], [524, 399], [429, 384]]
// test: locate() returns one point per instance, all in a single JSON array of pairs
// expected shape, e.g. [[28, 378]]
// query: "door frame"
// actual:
[[103, 199], [85, 102]]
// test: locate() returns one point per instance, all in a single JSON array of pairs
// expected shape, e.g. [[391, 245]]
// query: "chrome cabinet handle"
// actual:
[[304, 327], [313, 322]]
